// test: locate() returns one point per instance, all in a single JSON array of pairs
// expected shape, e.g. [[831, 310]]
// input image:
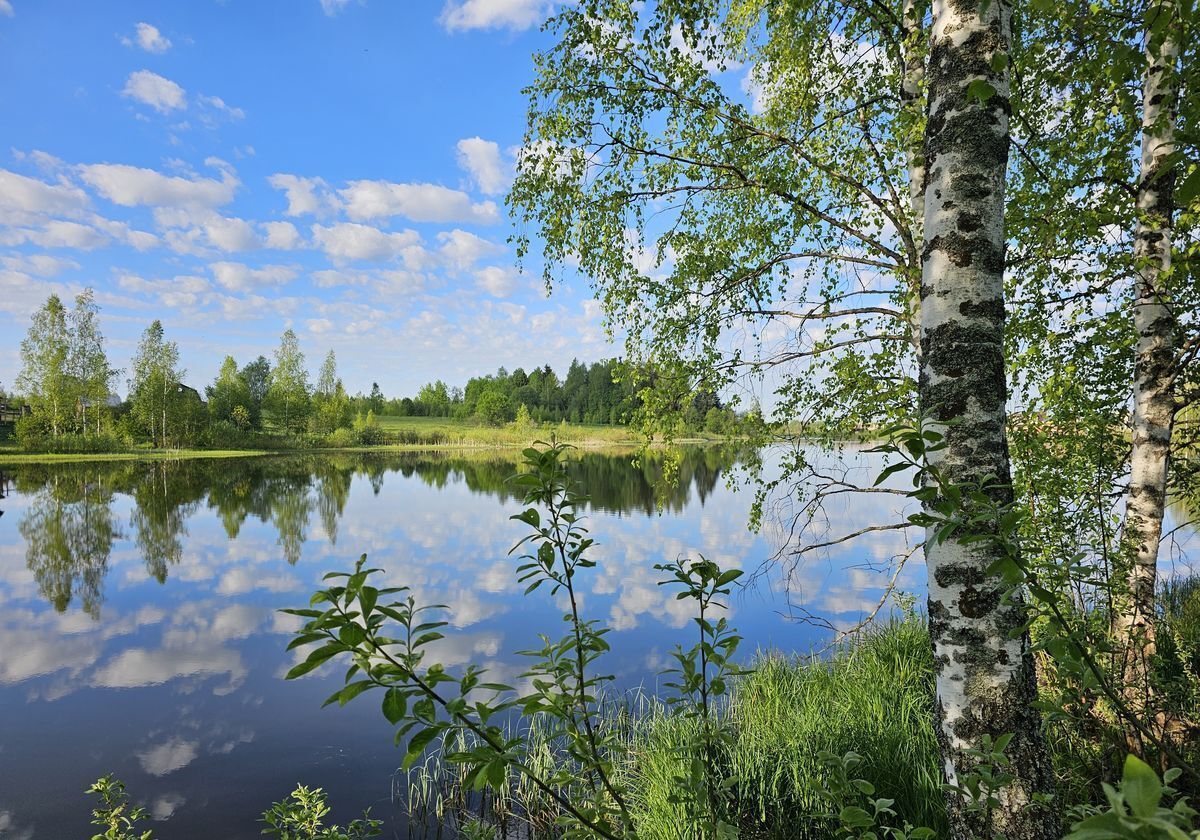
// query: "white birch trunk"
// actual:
[[1154, 402], [912, 32], [985, 680]]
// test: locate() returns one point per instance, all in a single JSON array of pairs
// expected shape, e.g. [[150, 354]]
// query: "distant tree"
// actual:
[[331, 405], [87, 363], [288, 396], [376, 398], [229, 393], [44, 377], [258, 379], [494, 407], [435, 397], [155, 387]]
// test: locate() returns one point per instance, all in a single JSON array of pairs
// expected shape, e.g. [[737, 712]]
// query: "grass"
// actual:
[[872, 696], [409, 434], [14, 456]]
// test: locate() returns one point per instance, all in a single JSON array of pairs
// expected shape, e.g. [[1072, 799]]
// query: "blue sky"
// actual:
[[234, 168]]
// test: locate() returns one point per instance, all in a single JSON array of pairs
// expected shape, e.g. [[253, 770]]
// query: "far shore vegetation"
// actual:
[[65, 402]]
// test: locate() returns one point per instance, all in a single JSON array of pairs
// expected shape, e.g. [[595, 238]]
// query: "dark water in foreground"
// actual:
[[139, 631]]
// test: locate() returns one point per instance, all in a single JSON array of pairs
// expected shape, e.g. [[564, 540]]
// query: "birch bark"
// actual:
[[1154, 400], [985, 680]]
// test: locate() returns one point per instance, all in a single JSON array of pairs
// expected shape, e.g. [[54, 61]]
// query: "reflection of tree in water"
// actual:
[[165, 495], [69, 527], [69, 530], [616, 483]]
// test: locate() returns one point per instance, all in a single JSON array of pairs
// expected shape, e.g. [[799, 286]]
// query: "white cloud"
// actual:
[[302, 193], [319, 325], [332, 7], [42, 265], [62, 234], [22, 197], [6, 8], [231, 234], [239, 277], [218, 105], [481, 158], [462, 249], [496, 281], [419, 202], [494, 14], [349, 241], [149, 39], [154, 90], [282, 236], [176, 292], [132, 186]]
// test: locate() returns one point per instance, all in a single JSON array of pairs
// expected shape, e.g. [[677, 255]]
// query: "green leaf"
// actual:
[[1141, 787], [417, 745], [395, 705], [980, 90]]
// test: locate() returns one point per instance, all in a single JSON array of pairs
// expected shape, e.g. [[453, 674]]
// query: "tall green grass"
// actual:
[[872, 696]]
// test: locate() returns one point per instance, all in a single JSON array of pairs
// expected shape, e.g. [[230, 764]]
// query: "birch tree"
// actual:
[[87, 360], [45, 364], [1156, 327], [288, 394], [985, 679], [155, 386]]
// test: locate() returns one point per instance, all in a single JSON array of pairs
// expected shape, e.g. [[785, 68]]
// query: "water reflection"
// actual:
[[140, 631], [69, 527]]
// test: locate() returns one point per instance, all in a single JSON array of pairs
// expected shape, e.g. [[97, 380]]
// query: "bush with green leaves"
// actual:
[[302, 817], [386, 634]]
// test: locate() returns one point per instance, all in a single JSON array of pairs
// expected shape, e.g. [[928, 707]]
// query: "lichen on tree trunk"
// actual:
[[1154, 401], [985, 681]]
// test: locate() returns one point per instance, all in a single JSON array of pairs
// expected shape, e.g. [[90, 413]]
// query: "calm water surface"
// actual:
[[139, 632]]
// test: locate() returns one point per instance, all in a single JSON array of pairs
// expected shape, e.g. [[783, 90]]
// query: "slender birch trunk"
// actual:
[[1154, 401], [985, 680], [912, 37]]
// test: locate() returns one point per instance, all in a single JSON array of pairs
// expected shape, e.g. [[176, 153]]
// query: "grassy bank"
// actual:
[[398, 434], [871, 697]]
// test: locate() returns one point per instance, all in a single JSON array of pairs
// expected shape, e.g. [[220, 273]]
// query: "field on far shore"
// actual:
[[413, 433]]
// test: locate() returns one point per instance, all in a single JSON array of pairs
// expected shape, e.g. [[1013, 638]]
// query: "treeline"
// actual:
[[68, 383], [604, 393]]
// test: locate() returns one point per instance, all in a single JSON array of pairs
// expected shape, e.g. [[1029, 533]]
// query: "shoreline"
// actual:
[[17, 458]]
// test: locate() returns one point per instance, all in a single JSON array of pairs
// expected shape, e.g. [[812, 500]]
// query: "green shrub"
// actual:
[[341, 438]]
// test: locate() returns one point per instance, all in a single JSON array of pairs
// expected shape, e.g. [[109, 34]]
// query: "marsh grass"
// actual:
[[871, 695]]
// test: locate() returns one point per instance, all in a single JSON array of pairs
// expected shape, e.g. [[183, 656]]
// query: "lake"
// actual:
[[140, 632]]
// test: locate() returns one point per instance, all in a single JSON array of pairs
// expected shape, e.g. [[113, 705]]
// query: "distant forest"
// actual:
[[67, 400]]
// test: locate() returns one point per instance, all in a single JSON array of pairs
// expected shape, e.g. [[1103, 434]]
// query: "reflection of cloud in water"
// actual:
[[164, 806], [241, 581], [168, 756], [138, 667], [10, 830]]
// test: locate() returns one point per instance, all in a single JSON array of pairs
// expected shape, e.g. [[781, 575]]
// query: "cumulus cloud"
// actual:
[[348, 241], [319, 325], [159, 92], [494, 14], [481, 159], [41, 265], [239, 277], [231, 234], [496, 281], [148, 38], [461, 249], [133, 186], [305, 196], [365, 200], [282, 236], [23, 198]]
